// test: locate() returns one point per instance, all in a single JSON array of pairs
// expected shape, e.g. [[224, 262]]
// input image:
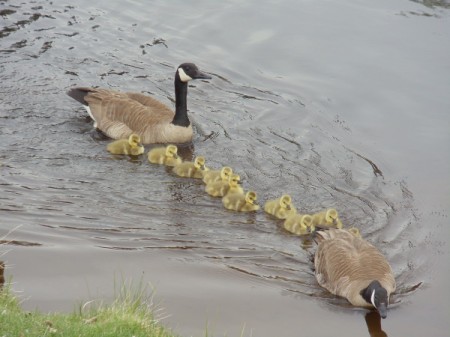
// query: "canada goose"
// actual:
[[119, 114], [217, 175], [281, 208], [220, 188], [328, 217], [131, 146], [191, 169], [299, 224], [351, 267], [165, 155], [240, 202]]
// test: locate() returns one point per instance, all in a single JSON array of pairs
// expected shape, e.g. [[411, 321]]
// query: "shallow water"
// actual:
[[340, 105]]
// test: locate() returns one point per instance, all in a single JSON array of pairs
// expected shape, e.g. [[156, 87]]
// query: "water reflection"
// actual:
[[2, 274], [373, 321]]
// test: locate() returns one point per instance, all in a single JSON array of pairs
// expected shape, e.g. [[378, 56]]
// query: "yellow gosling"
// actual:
[[328, 218], [240, 202], [191, 169], [281, 207], [164, 155], [220, 188], [355, 232], [299, 224], [217, 175], [131, 146]]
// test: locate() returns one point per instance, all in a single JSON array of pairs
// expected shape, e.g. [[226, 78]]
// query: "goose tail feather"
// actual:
[[79, 94]]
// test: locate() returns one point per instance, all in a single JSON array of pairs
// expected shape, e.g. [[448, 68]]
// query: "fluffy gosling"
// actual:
[[355, 232], [217, 175], [240, 202], [281, 208], [328, 218], [191, 169], [299, 224], [164, 155], [220, 188], [131, 146]]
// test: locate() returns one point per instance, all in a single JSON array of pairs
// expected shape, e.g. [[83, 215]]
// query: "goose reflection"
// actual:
[[2, 274], [373, 321]]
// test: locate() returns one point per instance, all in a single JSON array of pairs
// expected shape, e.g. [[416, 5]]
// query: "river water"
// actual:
[[340, 104]]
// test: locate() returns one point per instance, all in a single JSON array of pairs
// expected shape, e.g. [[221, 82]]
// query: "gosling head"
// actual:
[[234, 181], [199, 163], [189, 71], [226, 172], [355, 232], [307, 220], [251, 197], [377, 296], [331, 215], [172, 151], [134, 140], [285, 202]]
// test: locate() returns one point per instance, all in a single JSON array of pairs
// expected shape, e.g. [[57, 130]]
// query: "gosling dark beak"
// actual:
[[288, 207], [203, 76], [175, 156], [382, 309]]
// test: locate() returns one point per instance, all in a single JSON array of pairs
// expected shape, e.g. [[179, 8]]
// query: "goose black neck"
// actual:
[[181, 117]]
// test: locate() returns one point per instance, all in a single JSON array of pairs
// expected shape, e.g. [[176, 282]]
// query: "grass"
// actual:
[[129, 315]]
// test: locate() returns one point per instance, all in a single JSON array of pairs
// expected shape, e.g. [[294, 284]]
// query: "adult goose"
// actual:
[[119, 114], [349, 266]]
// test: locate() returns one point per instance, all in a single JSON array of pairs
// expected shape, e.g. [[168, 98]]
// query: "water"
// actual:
[[340, 105]]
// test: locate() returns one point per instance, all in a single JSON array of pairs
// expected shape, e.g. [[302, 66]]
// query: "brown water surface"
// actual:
[[339, 104]]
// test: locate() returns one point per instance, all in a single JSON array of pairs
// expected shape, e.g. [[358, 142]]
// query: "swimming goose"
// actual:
[[119, 114], [281, 208], [351, 267], [164, 155], [328, 217], [217, 175], [131, 146], [299, 224], [191, 169], [240, 202], [220, 188]]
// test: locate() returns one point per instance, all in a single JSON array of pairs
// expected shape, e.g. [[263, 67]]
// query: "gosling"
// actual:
[[131, 146], [281, 208], [164, 155], [240, 202], [190, 169], [327, 218], [299, 224], [220, 188], [217, 175]]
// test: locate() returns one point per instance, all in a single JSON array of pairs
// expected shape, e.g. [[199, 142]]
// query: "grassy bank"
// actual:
[[129, 315]]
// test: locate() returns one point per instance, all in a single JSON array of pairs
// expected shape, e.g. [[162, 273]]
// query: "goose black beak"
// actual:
[[382, 309], [203, 76]]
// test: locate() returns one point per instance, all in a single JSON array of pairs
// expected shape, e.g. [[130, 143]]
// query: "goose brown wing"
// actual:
[[120, 114], [344, 259]]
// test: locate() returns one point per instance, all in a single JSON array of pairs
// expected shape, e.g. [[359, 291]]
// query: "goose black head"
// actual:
[[189, 71], [376, 295]]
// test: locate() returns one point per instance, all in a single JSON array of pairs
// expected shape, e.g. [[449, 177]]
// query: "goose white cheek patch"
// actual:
[[183, 76], [372, 298]]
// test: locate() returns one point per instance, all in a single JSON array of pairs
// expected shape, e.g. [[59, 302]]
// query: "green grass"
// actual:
[[129, 315]]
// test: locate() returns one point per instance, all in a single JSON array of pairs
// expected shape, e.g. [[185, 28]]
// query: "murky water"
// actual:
[[340, 105]]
